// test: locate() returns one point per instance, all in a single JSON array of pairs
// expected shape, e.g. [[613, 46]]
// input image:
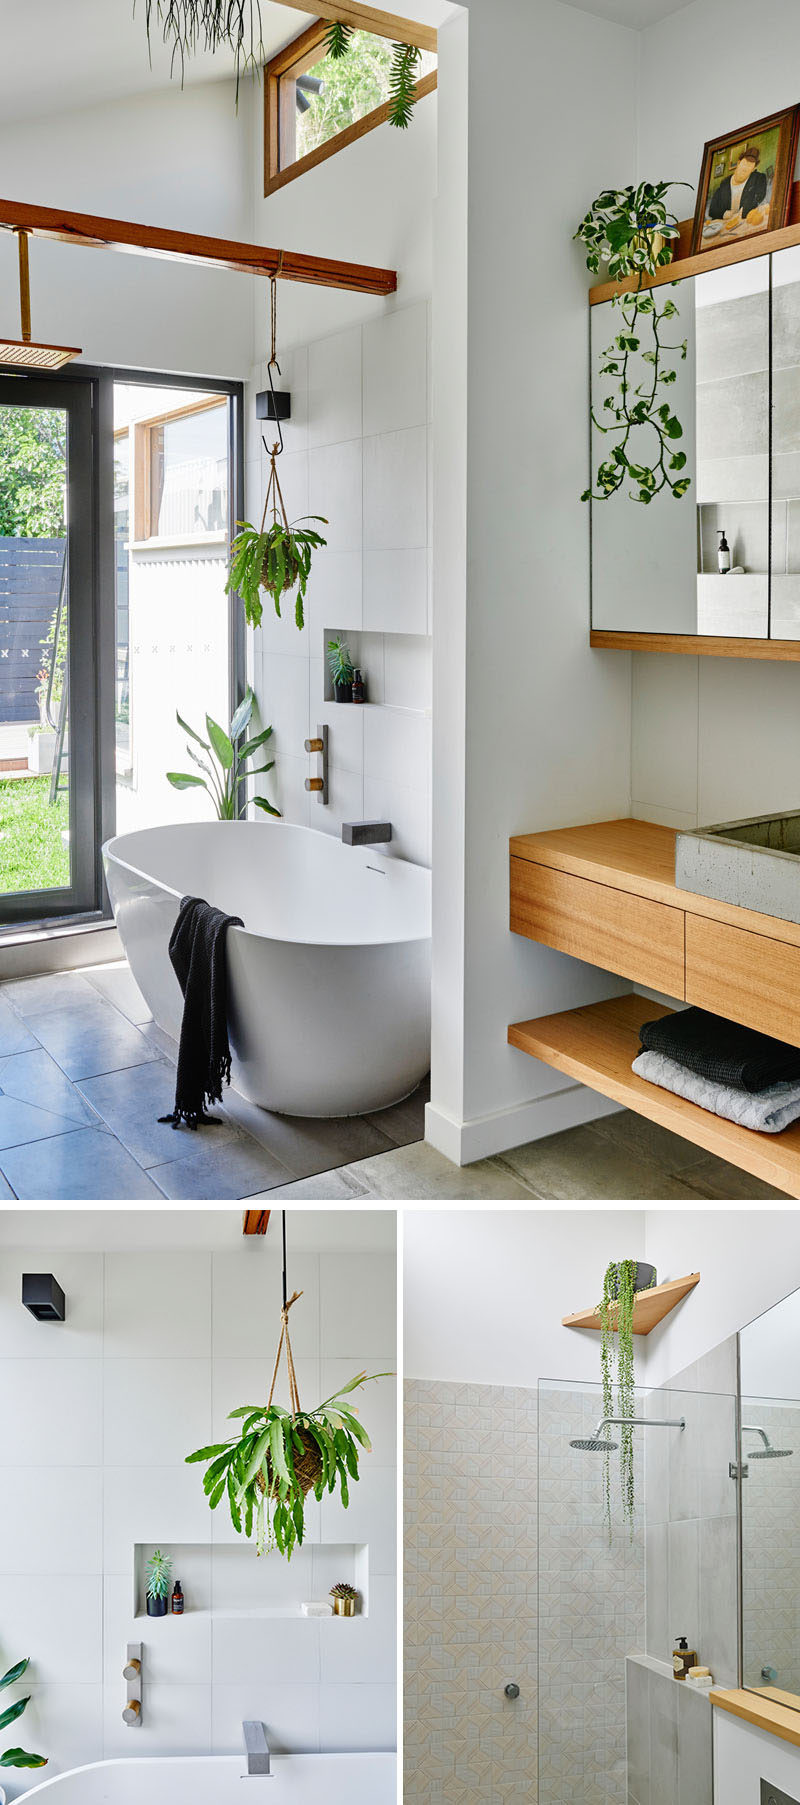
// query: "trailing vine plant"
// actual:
[[617, 1367], [402, 74], [631, 230]]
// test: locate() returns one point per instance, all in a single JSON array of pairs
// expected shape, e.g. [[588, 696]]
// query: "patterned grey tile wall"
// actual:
[[771, 1547], [470, 1594]]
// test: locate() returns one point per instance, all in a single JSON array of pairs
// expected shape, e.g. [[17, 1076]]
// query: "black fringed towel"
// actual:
[[721, 1051], [197, 951]]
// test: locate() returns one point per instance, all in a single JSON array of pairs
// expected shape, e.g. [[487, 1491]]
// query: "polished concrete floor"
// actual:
[[619, 1157], [85, 1074]]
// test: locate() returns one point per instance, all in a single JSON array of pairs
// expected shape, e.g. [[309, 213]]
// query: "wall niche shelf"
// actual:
[[606, 893], [225, 1580], [649, 1308]]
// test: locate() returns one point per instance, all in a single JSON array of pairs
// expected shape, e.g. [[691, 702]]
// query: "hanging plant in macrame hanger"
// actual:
[[280, 1455], [276, 556]]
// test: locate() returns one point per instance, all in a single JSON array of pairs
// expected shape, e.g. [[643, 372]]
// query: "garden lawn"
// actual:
[[32, 853]]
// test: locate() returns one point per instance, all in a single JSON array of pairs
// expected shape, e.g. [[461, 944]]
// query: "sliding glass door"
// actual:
[[48, 669]]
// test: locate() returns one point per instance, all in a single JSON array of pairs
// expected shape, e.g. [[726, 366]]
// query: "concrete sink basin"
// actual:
[[754, 864]]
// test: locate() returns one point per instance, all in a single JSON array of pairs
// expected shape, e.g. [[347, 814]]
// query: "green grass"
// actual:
[[32, 853]]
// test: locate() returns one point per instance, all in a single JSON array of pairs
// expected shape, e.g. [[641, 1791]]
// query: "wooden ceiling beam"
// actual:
[[188, 247], [256, 1222], [368, 18]]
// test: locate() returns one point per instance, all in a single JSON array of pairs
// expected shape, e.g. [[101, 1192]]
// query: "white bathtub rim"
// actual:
[[254, 933], [183, 1761]]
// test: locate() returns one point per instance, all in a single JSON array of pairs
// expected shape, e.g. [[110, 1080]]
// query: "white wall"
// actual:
[[748, 1260], [743, 1756], [530, 727], [357, 454], [485, 1291], [713, 738], [162, 1338], [171, 158]]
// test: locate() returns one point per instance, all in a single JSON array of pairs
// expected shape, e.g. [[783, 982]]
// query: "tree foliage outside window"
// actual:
[[352, 86], [33, 452]]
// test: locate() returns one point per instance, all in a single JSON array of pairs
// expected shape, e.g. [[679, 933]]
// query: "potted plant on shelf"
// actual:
[[632, 232], [226, 756], [16, 1757], [344, 1599], [623, 1281], [341, 667], [159, 1573], [278, 1457]]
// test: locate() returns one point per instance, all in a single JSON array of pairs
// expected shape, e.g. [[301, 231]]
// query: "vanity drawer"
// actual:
[[746, 977], [622, 933]]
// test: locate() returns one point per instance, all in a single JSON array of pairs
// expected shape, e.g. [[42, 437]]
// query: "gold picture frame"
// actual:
[[745, 185]]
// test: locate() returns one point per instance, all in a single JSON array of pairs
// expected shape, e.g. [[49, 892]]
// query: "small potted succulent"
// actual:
[[340, 665], [16, 1757], [159, 1573], [344, 1599]]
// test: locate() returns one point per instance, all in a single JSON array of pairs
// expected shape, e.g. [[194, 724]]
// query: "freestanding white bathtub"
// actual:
[[216, 1780], [328, 980]]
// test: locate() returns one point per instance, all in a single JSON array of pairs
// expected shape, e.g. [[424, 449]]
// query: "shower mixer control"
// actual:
[[772, 1795], [511, 1690]]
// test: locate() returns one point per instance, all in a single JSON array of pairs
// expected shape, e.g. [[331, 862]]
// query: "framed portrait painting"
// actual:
[[746, 181]]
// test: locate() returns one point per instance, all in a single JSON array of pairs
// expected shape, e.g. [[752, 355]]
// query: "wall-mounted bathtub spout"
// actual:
[[767, 1452], [256, 1748], [366, 833], [599, 1442]]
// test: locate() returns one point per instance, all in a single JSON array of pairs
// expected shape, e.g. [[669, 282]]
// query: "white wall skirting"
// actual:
[[481, 1136], [33, 951]]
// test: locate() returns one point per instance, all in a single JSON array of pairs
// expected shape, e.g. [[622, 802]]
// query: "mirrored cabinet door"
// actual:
[[769, 1352], [695, 564], [785, 598]]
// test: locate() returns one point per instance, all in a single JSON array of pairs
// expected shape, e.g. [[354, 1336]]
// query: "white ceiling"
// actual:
[[196, 1228], [638, 13]]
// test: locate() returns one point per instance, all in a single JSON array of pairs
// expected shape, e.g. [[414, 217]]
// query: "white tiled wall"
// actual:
[[357, 452], [96, 1417]]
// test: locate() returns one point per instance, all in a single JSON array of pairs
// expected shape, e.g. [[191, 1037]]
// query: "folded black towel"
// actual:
[[721, 1051], [197, 951]]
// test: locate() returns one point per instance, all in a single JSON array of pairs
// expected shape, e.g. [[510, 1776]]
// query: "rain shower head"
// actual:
[[599, 1443], [767, 1452]]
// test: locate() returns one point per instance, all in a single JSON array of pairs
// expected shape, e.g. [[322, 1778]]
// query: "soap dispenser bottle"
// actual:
[[683, 1657], [177, 1599], [723, 554]]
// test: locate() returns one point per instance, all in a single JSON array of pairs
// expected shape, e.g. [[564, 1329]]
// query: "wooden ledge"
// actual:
[[696, 645], [764, 1713], [683, 264], [650, 1307]]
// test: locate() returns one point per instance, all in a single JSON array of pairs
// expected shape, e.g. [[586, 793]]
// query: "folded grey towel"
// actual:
[[768, 1111]]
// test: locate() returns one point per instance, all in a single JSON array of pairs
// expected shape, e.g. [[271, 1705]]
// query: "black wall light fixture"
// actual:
[[273, 404], [43, 1296]]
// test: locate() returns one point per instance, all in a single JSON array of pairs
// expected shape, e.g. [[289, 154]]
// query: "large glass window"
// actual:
[[315, 104]]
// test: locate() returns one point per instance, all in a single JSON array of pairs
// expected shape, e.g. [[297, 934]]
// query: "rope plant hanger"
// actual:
[[279, 1455], [274, 557]]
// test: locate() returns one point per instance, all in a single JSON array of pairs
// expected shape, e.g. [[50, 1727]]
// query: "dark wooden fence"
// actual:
[[30, 578]]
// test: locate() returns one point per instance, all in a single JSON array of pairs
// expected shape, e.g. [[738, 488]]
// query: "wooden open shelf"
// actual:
[[598, 1044], [683, 264], [695, 645], [649, 1309]]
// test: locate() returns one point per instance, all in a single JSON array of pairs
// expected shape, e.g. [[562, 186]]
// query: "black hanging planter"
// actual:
[[644, 1277], [156, 1607]]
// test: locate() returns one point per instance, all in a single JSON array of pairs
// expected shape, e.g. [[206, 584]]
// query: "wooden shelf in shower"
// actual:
[[650, 1307]]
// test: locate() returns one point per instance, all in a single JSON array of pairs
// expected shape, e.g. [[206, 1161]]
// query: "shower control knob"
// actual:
[[511, 1690]]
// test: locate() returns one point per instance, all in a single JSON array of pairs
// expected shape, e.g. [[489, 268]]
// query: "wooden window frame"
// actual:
[[142, 462], [301, 55]]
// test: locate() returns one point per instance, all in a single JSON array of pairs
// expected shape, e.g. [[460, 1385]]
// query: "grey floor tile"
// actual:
[[215, 1174], [117, 984], [713, 1177], [92, 1039], [86, 1164], [419, 1172], [25, 1122], [404, 1122], [15, 1035], [649, 1141], [163, 1043], [131, 1102], [308, 1144], [326, 1187], [35, 1078], [53, 990], [5, 1190], [582, 1163]]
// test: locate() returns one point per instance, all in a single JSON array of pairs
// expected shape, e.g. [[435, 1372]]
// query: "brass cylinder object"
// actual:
[[24, 285], [314, 783], [132, 1711], [313, 745], [132, 1669], [344, 1607]]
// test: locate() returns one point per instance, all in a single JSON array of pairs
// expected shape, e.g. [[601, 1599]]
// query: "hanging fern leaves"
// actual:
[[402, 84], [337, 40]]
